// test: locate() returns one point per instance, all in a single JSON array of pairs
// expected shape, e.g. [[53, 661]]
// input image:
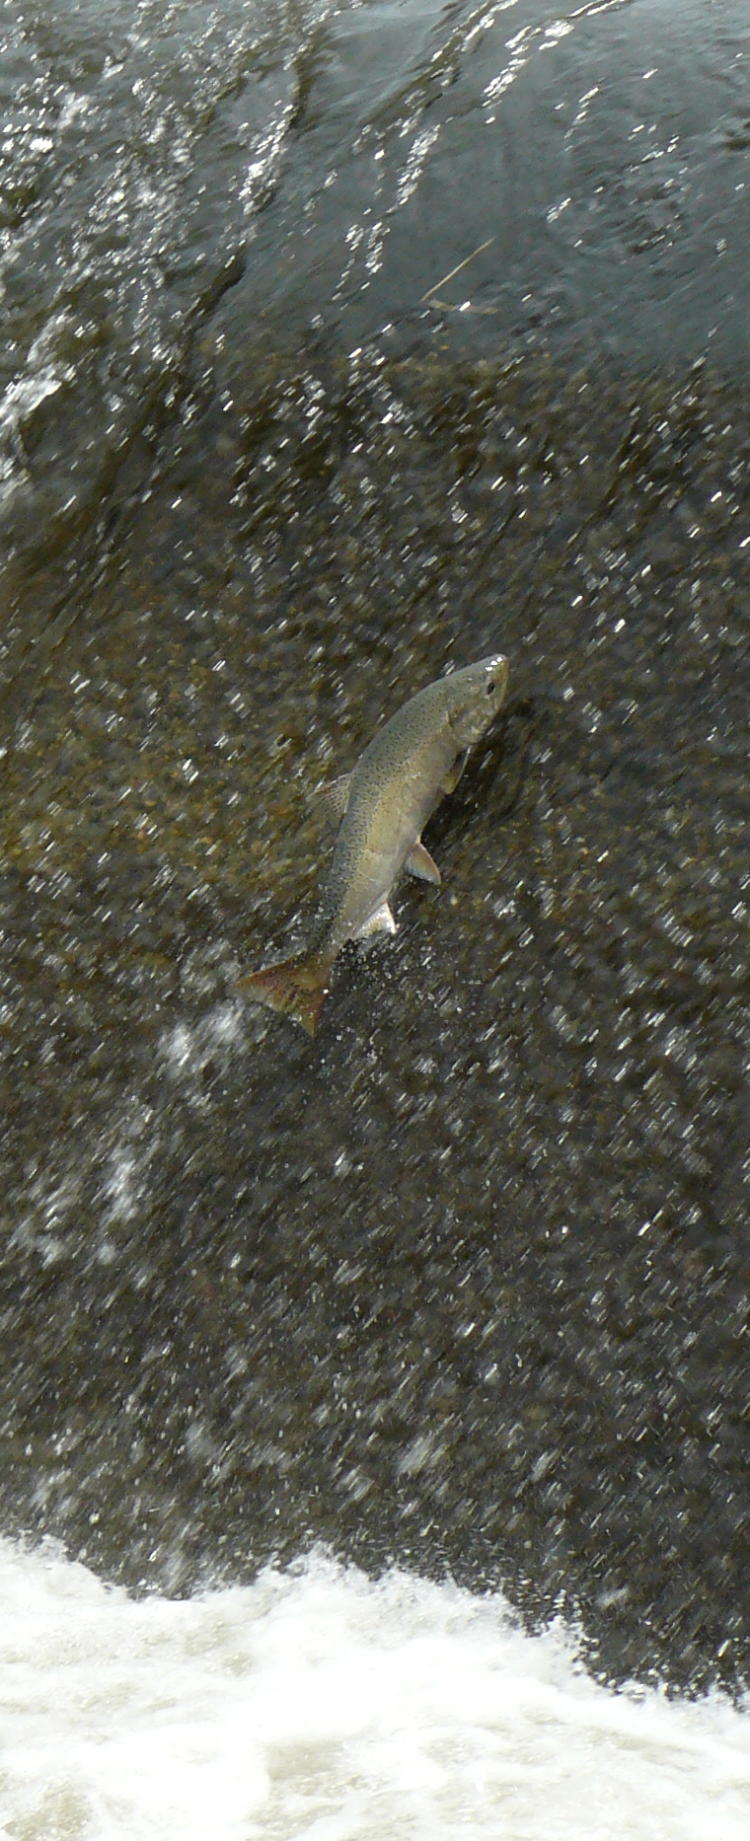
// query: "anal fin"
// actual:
[[381, 921]]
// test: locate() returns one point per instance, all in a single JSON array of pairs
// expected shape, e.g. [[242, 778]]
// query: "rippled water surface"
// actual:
[[343, 345]]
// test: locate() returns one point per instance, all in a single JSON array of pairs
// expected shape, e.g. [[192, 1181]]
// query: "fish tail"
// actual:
[[296, 987]]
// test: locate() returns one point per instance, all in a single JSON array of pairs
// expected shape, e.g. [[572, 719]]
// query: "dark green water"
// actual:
[[466, 1281]]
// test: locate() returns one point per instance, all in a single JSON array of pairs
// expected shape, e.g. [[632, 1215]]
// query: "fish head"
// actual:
[[474, 696]]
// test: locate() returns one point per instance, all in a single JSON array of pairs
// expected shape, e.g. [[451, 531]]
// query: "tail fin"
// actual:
[[297, 987]]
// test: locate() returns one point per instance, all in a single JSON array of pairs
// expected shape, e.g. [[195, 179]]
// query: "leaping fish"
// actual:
[[383, 806]]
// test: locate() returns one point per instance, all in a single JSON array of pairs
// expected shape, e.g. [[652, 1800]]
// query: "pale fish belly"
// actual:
[[370, 858]]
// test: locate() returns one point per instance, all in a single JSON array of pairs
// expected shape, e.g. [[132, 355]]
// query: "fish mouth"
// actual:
[[498, 670]]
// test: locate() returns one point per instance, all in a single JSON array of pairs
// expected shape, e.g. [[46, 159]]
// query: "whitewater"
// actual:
[[319, 1705]]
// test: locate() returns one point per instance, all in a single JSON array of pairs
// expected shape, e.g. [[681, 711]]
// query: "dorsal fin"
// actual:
[[332, 798]]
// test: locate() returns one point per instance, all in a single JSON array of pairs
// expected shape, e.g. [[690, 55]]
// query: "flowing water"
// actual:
[[321, 1704], [400, 1379]]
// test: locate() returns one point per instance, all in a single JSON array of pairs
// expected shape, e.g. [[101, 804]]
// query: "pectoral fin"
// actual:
[[420, 863], [332, 798], [381, 921], [451, 779]]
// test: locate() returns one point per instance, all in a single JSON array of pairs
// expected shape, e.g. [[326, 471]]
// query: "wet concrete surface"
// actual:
[[464, 1282]]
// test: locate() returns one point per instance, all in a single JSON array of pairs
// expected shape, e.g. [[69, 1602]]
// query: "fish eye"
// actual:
[[490, 687]]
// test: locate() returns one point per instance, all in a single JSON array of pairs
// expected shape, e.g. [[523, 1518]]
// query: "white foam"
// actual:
[[320, 1706]]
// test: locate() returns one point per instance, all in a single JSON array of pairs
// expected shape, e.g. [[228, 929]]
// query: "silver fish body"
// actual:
[[409, 765], [394, 789]]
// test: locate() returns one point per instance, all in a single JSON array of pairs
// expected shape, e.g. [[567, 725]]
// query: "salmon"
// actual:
[[383, 806]]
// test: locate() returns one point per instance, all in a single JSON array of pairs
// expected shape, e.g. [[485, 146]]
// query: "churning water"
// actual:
[[320, 1705]]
